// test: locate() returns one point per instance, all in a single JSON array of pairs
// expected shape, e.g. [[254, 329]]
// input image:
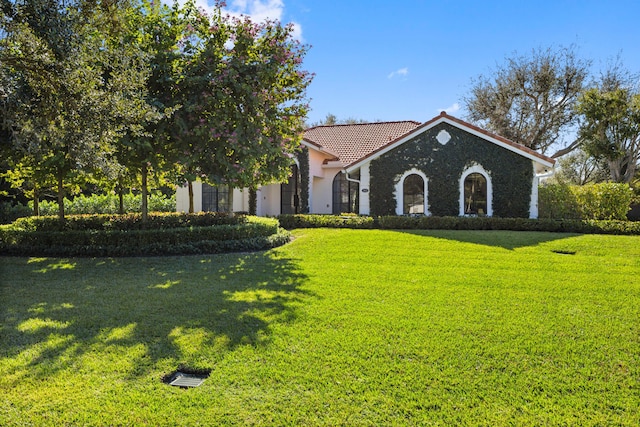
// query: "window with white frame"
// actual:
[[413, 195], [475, 194]]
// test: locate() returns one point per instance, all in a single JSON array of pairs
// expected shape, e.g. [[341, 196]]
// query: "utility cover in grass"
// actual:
[[185, 378]]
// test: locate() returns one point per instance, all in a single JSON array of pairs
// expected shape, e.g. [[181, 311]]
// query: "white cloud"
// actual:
[[257, 10], [297, 32], [261, 10], [403, 72], [451, 109]]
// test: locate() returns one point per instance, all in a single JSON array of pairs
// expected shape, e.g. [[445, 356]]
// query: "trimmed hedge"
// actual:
[[331, 221], [154, 221], [461, 223], [249, 234], [602, 201]]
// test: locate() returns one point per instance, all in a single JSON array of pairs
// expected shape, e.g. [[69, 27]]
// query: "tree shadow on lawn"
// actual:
[[506, 239], [61, 314]]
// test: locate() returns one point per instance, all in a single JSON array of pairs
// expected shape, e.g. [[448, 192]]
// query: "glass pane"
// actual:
[[345, 194], [215, 198], [413, 195], [475, 194], [289, 193]]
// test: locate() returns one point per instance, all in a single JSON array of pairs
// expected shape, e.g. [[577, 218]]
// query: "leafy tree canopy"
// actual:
[[243, 96], [97, 90], [530, 98], [331, 119], [71, 86], [611, 127]]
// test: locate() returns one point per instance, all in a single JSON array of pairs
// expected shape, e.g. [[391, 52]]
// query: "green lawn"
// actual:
[[340, 327]]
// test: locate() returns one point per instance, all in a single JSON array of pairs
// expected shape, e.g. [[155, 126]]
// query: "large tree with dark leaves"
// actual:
[[530, 99], [610, 130], [72, 86]]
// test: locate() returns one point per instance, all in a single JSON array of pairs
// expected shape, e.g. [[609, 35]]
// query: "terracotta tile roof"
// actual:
[[355, 141]]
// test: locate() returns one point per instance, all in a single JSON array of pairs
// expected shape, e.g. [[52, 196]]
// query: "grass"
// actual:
[[340, 327]]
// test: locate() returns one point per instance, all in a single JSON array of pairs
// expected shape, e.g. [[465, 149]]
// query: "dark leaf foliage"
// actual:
[[530, 98]]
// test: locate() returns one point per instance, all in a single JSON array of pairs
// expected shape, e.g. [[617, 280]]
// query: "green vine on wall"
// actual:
[[511, 174], [303, 161], [253, 201]]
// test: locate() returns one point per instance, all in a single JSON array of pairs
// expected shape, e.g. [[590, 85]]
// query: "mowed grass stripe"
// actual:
[[340, 327]]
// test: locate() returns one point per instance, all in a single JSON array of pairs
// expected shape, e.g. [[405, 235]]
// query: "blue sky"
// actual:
[[408, 60]]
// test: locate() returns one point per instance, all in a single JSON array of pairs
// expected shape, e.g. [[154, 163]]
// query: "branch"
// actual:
[[566, 150]]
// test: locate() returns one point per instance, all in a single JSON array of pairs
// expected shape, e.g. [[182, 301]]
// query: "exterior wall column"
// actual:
[[533, 207], [365, 180]]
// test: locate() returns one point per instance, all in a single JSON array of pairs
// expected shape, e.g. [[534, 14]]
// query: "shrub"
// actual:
[[91, 236], [607, 200], [557, 201], [107, 204], [333, 221], [128, 222], [394, 222], [10, 212], [603, 201]]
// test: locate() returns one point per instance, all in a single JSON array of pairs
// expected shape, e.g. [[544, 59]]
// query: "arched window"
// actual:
[[475, 194], [345, 194], [215, 198], [290, 193], [413, 195]]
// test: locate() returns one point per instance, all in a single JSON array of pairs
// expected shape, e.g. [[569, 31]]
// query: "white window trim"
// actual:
[[476, 169], [400, 191]]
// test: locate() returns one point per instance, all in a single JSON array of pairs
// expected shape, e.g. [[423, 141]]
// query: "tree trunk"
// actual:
[[60, 199], [120, 198], [230, 200], [253, 201], [190, 186], [36, 201], [622, 169], [145, 206]]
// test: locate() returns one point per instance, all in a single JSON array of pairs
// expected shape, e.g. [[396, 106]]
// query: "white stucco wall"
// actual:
[[268, 200], [533, 207], [320, 180], [365, 183], [323, 191], [316, 161], [182, 198]]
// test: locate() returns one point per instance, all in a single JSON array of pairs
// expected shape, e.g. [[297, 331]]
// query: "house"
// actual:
[[444, 167]]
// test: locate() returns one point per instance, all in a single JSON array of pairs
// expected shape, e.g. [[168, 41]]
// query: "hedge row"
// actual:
[[602, 201], [155, 221], [330, 221], [107, 204], [462, 223], [254, 234]]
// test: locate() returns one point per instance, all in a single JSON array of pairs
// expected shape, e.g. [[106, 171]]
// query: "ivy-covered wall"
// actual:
[[303, 161], [511, 174]]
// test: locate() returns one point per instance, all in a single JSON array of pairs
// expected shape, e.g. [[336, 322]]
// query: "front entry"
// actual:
[[290, 193]]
